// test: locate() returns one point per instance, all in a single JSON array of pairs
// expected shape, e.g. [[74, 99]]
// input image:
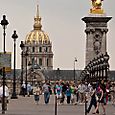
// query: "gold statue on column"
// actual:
[[96, 7]]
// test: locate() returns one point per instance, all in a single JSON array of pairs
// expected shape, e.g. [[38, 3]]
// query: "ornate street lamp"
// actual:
[[58, 73], [4, 23], [98, 67], [84, 75], [89, 66], [75, 60], [102, 67], [14, 96], [91, 72], [94, 69], [106, 58], [22, 54]]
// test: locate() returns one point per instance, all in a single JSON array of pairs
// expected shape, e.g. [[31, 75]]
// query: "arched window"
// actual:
[[33, 49], [46, 49], [47, 62], [40, 49]]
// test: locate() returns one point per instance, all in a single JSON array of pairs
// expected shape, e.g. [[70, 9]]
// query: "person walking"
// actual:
[[113, 94], [6, 95], [36, 92], [29, 89], [93, 101], [72, 89], [76, 94], [58, 91], [46, 92], [68, 93], [63, 92], [81, 89], [23, 88], [100, 99]]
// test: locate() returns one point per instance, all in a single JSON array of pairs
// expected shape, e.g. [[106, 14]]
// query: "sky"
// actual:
[[61, 20]]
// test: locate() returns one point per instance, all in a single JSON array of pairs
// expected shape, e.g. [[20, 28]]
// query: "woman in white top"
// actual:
[[6, 94], [36, 92]]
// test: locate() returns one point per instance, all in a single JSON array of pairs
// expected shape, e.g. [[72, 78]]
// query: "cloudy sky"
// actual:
[[61, 19]]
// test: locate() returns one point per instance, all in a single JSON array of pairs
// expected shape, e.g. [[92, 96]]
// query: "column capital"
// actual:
[[105, 30]]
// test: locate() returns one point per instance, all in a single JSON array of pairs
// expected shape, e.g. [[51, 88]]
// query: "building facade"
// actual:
[[37, 54]]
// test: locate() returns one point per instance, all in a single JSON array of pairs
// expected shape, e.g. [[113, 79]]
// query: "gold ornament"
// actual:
[[96, 4]]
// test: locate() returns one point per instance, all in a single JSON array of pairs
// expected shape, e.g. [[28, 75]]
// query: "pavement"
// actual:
[[27, 106]]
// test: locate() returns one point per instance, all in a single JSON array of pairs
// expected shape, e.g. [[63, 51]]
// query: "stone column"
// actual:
[[96, 32]]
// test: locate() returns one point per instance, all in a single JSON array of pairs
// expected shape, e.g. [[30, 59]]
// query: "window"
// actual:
[[33, 49], [40, 49], [46, 49], [40, 62], [32, 61], [47, 62]]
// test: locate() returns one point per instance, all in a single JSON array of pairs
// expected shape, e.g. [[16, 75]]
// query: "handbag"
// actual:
[[96, 98]]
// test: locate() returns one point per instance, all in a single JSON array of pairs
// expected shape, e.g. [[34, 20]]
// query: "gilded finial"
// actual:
[[37, 20], [37, 11], [96, 7]]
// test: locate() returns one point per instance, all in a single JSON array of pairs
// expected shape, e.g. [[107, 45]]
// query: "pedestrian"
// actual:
[[46, 92], [6, 95], [72, 89], [58, 91], [23, 88], [81, 89], [63, 92], [36, 92], [107, 92], [68, 93], [100, 99], [103, 86], [29, 89], [93, 101], [113, 94]]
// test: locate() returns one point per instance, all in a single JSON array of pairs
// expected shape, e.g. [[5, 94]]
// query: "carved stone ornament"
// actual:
[[97, 42]]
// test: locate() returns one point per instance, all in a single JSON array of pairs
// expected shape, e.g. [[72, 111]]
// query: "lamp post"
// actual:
[[98, 67], [14, 96], [106, 58], [58, 73], [75, 60], [26, 81], [22, 54], [102, 68], [4, 23]]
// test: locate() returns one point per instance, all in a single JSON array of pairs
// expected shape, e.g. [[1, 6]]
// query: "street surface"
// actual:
[[27, 106]]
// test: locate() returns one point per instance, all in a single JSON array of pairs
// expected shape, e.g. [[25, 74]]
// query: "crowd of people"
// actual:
[[99, 93], [67, 92]]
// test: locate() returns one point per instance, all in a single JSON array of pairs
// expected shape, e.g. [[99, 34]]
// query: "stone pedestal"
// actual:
[[96, 36]]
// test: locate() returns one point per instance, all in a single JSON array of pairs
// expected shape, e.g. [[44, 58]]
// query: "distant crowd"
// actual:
[[67, 92], [99, 93]]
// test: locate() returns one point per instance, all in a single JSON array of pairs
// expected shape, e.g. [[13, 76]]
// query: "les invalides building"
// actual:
[[37, 55]]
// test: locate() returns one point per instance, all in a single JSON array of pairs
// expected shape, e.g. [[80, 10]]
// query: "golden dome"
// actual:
[[37, 34]]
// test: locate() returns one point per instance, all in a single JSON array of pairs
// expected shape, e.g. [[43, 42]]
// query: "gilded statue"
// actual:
[[96, 4]]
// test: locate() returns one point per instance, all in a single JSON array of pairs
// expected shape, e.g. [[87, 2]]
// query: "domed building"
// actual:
[[37, 55]]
